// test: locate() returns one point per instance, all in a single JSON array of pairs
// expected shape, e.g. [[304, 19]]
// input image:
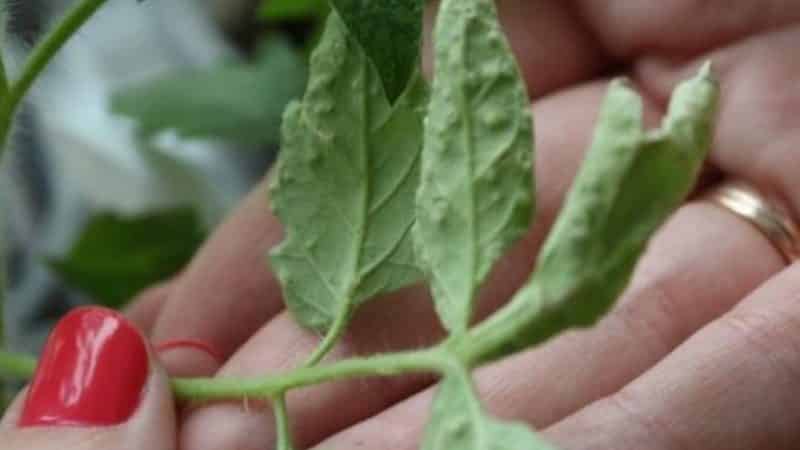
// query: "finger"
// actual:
[[731, 386], [145, 308], [669, 299], [553, 48], [225, 294], [757, 137], [680, 28], [97, 387], [400, 321]]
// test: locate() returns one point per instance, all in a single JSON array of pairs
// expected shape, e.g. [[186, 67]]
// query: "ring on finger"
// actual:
[[765, 213]]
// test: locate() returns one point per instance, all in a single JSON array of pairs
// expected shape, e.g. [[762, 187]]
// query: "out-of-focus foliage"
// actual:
[[241, 102], [116, 257], [293, 9]]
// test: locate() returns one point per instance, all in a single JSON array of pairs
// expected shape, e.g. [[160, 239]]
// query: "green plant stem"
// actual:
[[331, 338], [42, 55], [11, 95], [433, 360], [282, 425], [526, 314], [16, 367]]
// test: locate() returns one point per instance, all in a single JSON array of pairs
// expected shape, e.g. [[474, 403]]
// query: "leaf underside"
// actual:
[[475, 197], [459, 422], [344, 188], [630, 183]]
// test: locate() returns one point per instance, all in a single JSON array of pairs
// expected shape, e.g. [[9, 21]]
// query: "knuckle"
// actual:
[[771, 336], [626, 403], [654, 311]]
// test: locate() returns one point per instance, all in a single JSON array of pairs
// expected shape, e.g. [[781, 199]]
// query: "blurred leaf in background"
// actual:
[[390, 31], [117, 256], [241, 103], [277, 10]]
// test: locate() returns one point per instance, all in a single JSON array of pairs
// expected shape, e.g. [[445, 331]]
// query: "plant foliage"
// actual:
[[381, 183]]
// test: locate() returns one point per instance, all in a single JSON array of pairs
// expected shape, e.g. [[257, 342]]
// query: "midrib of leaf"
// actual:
[[348, 300], [486, 141], [469, 143]]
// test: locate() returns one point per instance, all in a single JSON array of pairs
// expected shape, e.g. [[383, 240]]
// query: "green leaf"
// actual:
[[630, 183], [241, 102], [293, 9], [344, 188], [390, 31], [116, 257], [459, 422], [475, 198]]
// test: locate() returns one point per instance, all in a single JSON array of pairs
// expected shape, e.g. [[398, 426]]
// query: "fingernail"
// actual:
[[92, 372], [188, 357]]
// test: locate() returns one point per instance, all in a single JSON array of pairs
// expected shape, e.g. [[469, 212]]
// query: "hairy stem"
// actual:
[[42, 54], [433, 360], [331, 337], [282, 425]]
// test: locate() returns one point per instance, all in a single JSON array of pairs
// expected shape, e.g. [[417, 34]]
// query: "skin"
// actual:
[[703, 349]]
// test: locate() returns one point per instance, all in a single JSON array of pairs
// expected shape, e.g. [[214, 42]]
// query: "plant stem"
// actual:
[[42, 55], [282, 425], [331, 338], [433, 360], [17, 367]]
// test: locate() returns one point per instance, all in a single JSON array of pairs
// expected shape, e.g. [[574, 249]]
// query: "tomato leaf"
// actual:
[[459, 422], [475, 197], [629, 184], [390, 31], [344, 187]]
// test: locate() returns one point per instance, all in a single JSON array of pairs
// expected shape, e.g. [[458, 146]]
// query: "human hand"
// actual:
[[97, 387], [636, 379]]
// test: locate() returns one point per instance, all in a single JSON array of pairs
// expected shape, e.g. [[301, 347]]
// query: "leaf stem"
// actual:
[[282, 425], [331, 337], [433, 360], [42, 55], [16, 367]]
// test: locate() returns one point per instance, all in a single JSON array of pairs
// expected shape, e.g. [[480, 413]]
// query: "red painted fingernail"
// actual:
[[92, 372], [192, 344]]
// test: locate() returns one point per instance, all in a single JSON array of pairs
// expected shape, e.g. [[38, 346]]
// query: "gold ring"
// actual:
[[765, 213]]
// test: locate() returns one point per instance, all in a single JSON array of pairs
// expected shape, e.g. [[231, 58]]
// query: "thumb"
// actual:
[[97, 387]]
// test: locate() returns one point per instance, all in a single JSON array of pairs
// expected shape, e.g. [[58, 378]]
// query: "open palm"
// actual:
[[703, 350]]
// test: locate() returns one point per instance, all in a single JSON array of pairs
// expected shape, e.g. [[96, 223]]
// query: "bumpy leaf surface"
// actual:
[[345, 185], [390, 31], [630, 183], [475, 197], [459, 422]]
